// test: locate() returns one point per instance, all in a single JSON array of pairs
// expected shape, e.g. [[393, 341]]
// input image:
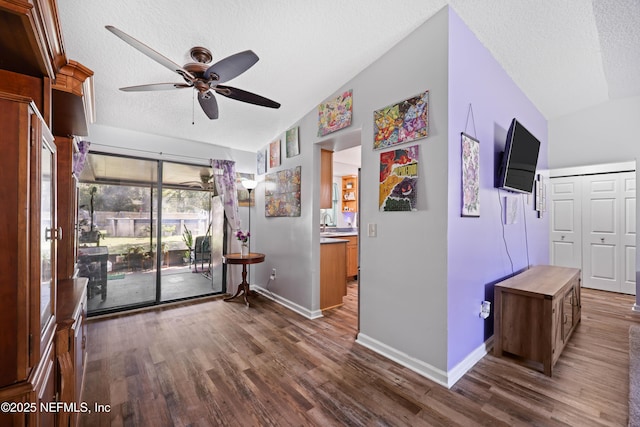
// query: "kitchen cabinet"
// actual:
[[27, 255], [352, 256], [536, 312], [326, 179], [333, 272], [350, 193]]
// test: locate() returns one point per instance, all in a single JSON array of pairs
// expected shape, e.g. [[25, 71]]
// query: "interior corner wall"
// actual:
[[403, 270], [477, 254], [403, 284]]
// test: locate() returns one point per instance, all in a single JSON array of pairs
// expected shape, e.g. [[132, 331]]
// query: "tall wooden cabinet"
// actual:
[[27, 258], [43, 335]]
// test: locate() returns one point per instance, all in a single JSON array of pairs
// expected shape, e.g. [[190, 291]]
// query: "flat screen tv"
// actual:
[[518, 167]]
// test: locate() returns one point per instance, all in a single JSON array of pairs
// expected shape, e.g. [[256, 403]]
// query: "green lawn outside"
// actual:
[[121, 245]]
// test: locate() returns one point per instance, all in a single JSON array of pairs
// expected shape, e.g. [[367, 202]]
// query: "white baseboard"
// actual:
[[445, 379], [636, 307], [418, 366], [309, 314], [468, 362]]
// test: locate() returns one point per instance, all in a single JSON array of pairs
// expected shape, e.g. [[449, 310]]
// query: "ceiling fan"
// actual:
[[201, 76]]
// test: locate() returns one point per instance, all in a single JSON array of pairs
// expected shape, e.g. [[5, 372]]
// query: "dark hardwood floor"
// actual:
[[218, 363]]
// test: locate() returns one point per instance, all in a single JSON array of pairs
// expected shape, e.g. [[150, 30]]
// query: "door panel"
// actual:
[[609, 232], [603, 262], [628, 274], [600, 240], [566, 235], [603, 215]]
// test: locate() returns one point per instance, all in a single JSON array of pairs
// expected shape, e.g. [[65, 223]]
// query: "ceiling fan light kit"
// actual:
[[201, 76]]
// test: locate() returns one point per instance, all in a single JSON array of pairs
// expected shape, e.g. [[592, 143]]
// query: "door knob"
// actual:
[[561, 237], [602, 239]]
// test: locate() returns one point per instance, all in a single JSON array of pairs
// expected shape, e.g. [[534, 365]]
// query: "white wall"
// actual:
[[607, 133]]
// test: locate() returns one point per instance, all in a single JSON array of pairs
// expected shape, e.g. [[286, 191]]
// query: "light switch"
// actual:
[[372, 230]]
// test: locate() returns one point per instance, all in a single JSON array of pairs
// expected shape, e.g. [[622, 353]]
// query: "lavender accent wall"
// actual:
[[477, 257]]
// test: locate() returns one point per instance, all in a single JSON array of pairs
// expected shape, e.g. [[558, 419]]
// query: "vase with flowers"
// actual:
[[244, 241]]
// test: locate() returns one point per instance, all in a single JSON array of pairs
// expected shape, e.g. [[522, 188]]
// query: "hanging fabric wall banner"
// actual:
[[470, 176]]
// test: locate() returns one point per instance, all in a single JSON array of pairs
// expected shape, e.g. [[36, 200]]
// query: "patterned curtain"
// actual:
[[224, 172]]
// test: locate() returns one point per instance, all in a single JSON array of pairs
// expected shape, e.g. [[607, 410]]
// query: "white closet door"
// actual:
[[566, 221], [608, 242], [628, 272]]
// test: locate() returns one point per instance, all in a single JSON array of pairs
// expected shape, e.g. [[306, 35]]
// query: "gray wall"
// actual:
[[403, 284]]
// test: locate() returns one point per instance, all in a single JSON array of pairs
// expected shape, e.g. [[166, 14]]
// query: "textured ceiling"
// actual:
[[565, 55]]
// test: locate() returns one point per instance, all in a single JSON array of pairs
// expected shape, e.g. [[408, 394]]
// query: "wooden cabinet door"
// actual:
[[326, 179], [45, 231], [352, 257], [567, 314]]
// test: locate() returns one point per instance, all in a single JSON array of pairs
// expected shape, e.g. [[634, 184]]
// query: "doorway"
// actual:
[[343, 218]]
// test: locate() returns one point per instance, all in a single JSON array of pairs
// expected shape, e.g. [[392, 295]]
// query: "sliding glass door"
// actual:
[[139, 249], [191, 231]]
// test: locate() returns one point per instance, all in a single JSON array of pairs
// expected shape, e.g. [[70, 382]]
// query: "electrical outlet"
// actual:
[[273, 274]]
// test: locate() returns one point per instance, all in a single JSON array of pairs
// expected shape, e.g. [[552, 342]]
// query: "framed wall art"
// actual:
[[243, 193], [291, 142], [398, 179], [402, 122], [261, 159], [274, 154], [335, 114], [282, 193]]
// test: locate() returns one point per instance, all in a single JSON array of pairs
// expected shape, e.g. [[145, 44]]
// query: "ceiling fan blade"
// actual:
[[160, 59], [244, 96], [155, 86], [209, 105], [232, 66]]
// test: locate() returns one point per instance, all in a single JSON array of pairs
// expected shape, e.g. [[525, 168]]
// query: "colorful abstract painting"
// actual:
[[402, 122], [274, 154], [282, 193], [398, 179], [335, 114], [261, 158], [470, 176], [243, 193], [291, 142]]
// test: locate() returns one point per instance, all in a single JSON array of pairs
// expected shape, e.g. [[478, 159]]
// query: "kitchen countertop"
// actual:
[[324, 240], [339, 232]]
